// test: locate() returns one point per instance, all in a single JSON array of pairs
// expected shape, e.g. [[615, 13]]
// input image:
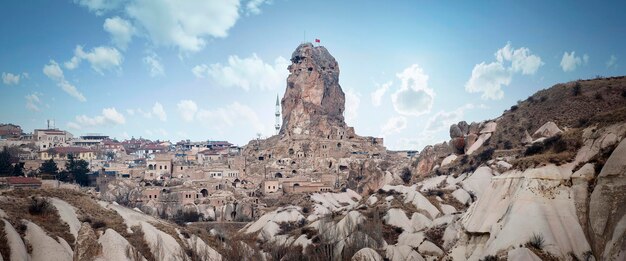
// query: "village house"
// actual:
[[158, 167], [50, 138], [147, 150], [89, 140], [62, 153], [10, 131], [271, 186]]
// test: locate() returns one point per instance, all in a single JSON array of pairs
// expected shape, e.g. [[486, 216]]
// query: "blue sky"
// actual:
[[165, 69]]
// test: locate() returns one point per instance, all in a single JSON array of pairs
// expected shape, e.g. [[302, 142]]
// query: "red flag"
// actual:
[[317, 40]]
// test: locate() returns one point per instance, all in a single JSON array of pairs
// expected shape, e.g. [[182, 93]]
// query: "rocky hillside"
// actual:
[[68, 225], [545, 181]]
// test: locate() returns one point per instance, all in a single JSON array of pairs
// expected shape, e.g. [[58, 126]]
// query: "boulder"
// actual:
[[458, 145], [527, 138], [430, 249], [547, 130], [606, 205], [455, 131], [522, 254], [473, 128], [448, 160], [464, 127], [489, 127], [470, 140], [366, 254]]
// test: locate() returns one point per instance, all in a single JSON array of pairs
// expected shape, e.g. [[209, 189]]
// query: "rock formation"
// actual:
[[313, 103], [314, 139]]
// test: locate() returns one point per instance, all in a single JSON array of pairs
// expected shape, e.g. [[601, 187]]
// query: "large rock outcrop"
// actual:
[[313, 102]]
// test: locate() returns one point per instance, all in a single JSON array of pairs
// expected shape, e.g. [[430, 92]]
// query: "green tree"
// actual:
[[77, 170], [6, 169], [49, 167], [18, 169]]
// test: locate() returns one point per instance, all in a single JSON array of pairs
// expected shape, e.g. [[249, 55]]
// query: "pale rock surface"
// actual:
[[420, 222], [470, 139], [461, 195], [517, 201], [367, 254], [448, 160], [397, 218], [489, 127], [430, 249], [547, 130], [268, 224], [44, 247], [522, 254], [479, 143], [18, 249], [478, 181], [414, 197], [412, 239], [447, 209], [606, 205], [68, 214], [115, 247], [432, 183], [402, 253]]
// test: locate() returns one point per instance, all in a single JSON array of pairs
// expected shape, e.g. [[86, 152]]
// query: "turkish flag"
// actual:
[[317, 40]]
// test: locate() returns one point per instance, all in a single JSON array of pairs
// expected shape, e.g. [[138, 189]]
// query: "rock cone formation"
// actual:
[[313, 103]]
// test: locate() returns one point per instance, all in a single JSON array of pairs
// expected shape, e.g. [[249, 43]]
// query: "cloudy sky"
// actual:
[[166, 69]]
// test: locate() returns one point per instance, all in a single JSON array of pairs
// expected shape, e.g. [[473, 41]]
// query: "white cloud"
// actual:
[[234, 115], [121, 31], [570, 61], [101, 58], [54, 72], [521, 59], [158, 111], [33, 101], [353, 100], [100, 6], [159, 133], [246, 73], [184, 24], [130, 112], [394, 125], [253, 6], [200, 70], [378, 94], [414, 96], [154, 64], [488, 78], [73, 125], [10, 79], [612, 62], [187, 109], [109, 116], [442, 120]]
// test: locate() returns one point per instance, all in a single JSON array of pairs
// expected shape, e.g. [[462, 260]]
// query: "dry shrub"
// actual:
[[435, 235], [139, 243]]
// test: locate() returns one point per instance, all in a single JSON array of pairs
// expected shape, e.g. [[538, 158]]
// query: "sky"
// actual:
[[211, 70]]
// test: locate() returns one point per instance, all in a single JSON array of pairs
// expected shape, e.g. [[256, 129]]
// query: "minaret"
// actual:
[[277, 114]]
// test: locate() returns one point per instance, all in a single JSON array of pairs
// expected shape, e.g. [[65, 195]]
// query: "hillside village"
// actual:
[[544, 181]]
